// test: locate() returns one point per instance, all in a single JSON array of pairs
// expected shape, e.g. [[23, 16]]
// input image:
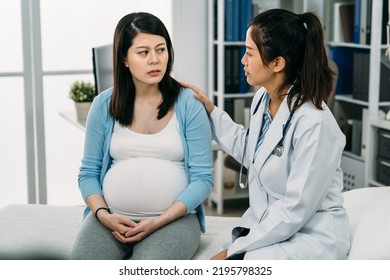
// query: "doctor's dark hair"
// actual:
[[299, 39], [123, 96]]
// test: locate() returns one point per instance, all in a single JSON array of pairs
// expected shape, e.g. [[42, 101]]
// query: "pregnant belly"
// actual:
[[143, 187]]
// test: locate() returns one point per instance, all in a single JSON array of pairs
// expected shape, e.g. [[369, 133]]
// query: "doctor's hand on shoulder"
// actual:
[[201, 96]]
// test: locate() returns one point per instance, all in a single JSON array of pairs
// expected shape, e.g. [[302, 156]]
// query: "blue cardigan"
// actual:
[[195, 133]]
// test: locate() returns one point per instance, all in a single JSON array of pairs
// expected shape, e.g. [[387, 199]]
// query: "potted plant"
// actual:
[[82, 93]]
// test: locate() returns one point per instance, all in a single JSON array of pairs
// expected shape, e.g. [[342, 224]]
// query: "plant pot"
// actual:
[[82, 109]]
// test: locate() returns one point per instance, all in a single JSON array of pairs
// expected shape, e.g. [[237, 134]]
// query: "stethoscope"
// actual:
[[279, 149]]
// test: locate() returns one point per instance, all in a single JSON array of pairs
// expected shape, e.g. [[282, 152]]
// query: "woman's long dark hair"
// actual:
[[123, 95], [299, 39]]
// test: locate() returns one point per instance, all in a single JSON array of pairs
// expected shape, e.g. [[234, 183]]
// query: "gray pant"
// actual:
[[178, 240]]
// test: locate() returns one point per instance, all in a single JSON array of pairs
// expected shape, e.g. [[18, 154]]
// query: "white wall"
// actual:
[[189, 33]]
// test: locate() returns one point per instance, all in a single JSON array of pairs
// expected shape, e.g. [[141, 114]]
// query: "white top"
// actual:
[[147, 173]]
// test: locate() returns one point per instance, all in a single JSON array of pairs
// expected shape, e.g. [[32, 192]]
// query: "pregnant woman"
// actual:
[[147, 163]]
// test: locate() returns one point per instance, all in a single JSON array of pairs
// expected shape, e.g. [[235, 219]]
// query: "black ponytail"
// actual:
[[299, 39]]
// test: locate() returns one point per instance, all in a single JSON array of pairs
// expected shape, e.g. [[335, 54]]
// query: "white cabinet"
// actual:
[[345, 106], [372, 156], [348, 108], [361, 116], [374, 123], [218, 83], [216, 89]]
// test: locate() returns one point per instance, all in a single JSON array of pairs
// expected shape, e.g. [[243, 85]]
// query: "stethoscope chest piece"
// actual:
[[279, 150]]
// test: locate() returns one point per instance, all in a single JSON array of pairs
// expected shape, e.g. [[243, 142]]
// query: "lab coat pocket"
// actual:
[[274, 173]]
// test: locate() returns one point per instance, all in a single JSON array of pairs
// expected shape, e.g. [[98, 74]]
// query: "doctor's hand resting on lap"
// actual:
[[292, 149], [147, 165]]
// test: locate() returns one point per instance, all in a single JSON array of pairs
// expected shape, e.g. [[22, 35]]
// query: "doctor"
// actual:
[[292, 149]]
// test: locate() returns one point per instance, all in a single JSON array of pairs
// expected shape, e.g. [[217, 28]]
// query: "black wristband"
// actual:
[[105, 208]]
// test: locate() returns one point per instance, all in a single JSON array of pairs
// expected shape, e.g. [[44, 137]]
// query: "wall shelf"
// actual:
[[348, 98]]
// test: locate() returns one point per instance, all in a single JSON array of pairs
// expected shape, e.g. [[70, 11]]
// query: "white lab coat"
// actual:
[[296, 203]]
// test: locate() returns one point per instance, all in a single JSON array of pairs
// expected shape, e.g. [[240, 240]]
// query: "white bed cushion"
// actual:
[[369, 215], [30, 231], [48, 232]]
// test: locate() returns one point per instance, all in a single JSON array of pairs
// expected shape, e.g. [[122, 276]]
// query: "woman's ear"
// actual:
[[125, 63], [278, 64]]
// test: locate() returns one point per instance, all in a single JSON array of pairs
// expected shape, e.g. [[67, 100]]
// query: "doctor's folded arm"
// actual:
[[292, 148]]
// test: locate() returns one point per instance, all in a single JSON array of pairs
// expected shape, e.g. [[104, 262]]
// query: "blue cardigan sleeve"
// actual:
[[96, 156], [196, 133]]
